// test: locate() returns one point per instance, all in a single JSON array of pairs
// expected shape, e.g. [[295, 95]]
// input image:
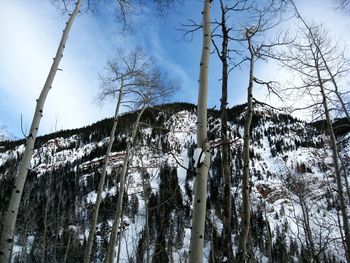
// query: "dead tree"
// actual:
[[224, 55], [266, 18]]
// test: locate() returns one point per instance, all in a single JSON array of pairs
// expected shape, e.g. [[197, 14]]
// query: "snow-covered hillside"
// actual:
[[291, 172]]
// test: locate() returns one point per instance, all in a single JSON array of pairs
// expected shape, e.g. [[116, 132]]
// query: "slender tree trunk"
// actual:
[[48, 194], [67, 248], [147, 236], [307, 229], [146, 198], [225, 146], [102, 181], [340, 226], [336, 89], [7, 234], [25, 238], [269, 239], [343, 207], [120, 240], [344, 168], [212, 247], [335, 153], [111, 246], [245, 228], [58, 219], [200, 197]]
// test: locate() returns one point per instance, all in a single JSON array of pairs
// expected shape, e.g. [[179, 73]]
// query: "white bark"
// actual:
[[120, 239], [92, 230], [7, 234], [119, 208], [200, 197]]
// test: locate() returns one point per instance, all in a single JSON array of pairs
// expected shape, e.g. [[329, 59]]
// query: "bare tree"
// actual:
[[7, 235], [342, 4], [203, 161], [224, 54], [335, 64], [304, 58], [297, 185], [314, 230], [265, 19], [246, 175], [121, 79], [145, 88]]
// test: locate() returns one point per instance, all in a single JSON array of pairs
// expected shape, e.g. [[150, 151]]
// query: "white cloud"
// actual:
[[31, 39], [30, 31]]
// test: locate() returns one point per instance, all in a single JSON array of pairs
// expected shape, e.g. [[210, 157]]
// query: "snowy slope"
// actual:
[[290, 169]]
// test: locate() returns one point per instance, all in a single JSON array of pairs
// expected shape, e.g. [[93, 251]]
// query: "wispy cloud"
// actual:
[[31, 31], [30, 42]]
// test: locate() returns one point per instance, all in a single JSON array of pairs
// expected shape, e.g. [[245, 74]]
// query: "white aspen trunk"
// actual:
[[92, 230], [200, 197], [7, 234], [120, 239], [243, 239], [111, 246]]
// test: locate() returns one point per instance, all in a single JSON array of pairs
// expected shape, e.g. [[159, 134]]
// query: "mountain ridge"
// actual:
[[290, 164]]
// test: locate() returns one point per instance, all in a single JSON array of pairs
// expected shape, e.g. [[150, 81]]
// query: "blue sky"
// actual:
[[30, 31]]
